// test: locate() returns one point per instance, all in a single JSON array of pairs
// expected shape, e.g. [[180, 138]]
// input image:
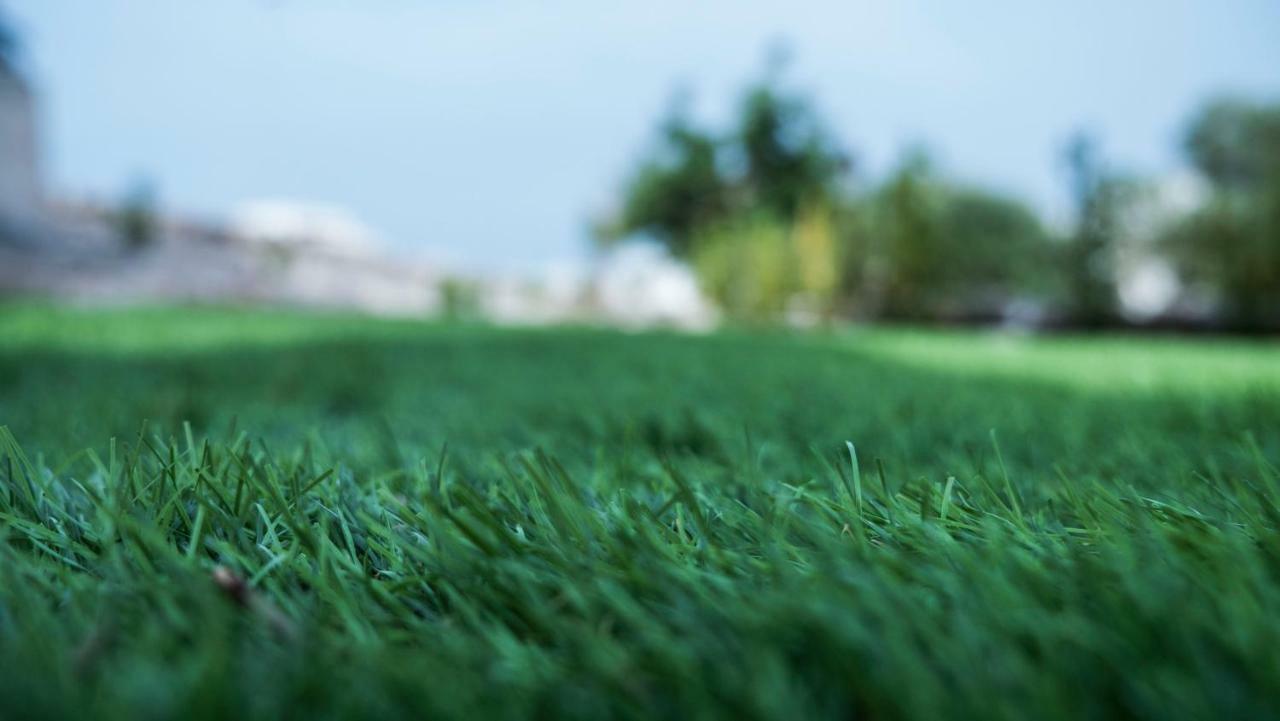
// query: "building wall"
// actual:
[[20, 195]]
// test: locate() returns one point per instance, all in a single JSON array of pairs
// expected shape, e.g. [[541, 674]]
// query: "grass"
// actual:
[[216, 514]]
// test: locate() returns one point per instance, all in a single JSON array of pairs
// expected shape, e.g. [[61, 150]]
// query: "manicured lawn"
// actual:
[[211, 513]]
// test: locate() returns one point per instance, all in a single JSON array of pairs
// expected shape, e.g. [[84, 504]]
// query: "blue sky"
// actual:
[[486, 132]]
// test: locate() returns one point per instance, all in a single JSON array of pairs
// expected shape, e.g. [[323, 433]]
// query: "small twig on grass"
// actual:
[[239, 591], [91, 649]]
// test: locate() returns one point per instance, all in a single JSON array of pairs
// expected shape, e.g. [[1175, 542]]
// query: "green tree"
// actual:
[[8, 43], [1231, 245], [790, 161], [949, 250], [909, 232], [1088, 256], [994, 247], [676, 191], [1236, 144], [765, 216], [776, 159], [748, 265], [815, 238], [136, 219]]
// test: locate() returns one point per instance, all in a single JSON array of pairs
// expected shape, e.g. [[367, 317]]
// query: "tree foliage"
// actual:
[[1088, 259], [677, 191], [764, 213], [137, 220], [8, 42], [941, 249], [790, 161], [778, 159], [1230, 247], [907, 233], [1236, 144]]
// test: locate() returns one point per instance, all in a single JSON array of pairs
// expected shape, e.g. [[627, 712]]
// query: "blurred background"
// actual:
[[1081, 165]]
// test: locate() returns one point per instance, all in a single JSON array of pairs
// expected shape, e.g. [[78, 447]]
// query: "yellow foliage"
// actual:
[[813, 238]]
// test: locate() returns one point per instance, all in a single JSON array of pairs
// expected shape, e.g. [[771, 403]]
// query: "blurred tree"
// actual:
[[1236, 144], [1231, 245], [136, 220], [1087, 258], [8, 42], [861, 268], [992, 241], [675, 192], [747, 265], [950, 251], [908, 232], [777, 160], [816, 245], [770, 226], [790, 161], [460, 299]]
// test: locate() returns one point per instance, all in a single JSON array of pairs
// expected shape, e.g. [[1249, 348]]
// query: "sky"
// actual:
[[487, 133]]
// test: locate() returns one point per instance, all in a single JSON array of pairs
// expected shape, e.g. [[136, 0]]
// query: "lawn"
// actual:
[[222, 514]]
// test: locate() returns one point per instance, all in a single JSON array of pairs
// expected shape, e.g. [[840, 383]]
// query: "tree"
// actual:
[[993, 248], [675, 192], [1231, 245], [950, 250], [748, 265], [816, 242], [908, 235], [764, 215], [1088, 257], [136, 219], [777, 159], [1236, 144], [8, 43], [789, 159], [758, 268]]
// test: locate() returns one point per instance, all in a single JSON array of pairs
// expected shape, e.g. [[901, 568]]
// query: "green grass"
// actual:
[[448, 521]]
